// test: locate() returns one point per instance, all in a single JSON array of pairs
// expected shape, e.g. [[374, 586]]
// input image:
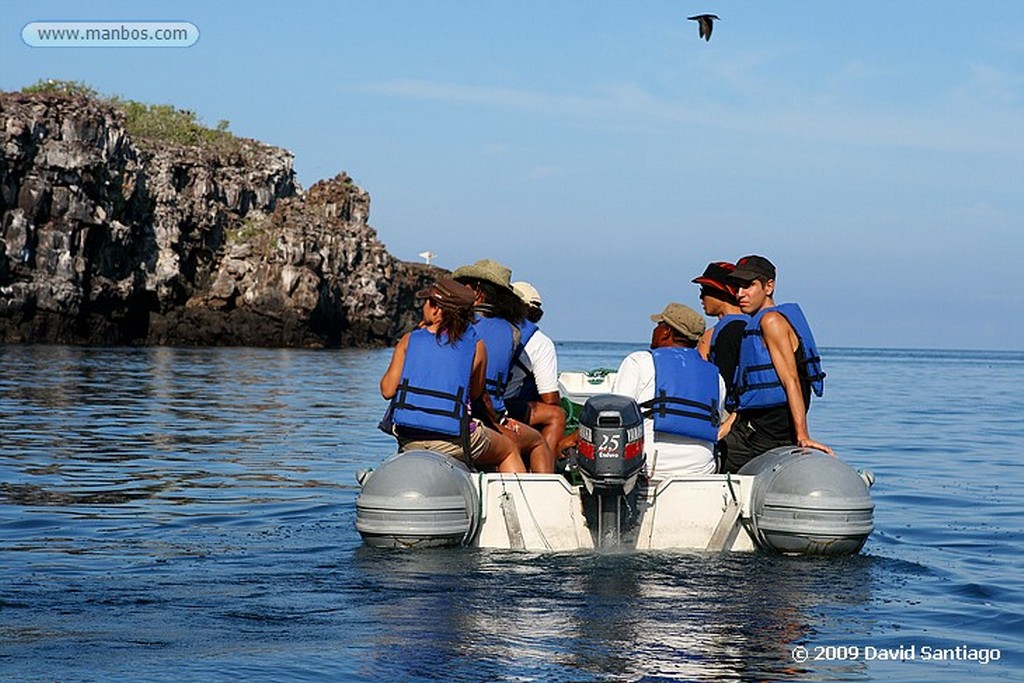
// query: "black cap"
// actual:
[[752, 267]]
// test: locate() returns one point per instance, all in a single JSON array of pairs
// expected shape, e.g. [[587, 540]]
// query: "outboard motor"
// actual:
[[610, 458]]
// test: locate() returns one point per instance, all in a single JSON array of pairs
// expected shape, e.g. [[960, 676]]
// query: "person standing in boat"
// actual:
[[721, 344], [498, 314], [681, 395], [532, 392], [778, 369], [435, 372]]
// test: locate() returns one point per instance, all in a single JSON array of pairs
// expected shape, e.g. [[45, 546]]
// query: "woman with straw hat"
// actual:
[[498, 312]]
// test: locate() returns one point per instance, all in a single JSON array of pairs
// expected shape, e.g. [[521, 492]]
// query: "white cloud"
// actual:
[[989, 86], [484, 95], [961, 126]]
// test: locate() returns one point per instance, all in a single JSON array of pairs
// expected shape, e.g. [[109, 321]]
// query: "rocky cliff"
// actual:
[[105, 239]]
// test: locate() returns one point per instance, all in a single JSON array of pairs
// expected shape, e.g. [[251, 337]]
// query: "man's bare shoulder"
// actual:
[[774, 322]]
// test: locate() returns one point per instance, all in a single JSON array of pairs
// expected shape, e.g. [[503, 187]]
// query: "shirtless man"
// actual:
[[778, 369]]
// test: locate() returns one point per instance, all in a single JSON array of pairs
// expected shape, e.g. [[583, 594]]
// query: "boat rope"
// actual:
[[511, 515], [728, 480], [479, 504], [529, 508]]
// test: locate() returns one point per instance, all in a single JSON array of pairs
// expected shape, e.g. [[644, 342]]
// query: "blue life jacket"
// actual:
[[722, 323], [433, 394], [500, 340], [756, 380], [528, 388], [526, 330], [686, 394]]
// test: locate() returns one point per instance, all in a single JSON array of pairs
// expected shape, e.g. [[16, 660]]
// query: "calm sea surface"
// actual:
[[187, 515]]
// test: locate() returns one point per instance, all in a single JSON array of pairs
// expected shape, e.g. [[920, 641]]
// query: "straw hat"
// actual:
[[683, 320], [487, 270]]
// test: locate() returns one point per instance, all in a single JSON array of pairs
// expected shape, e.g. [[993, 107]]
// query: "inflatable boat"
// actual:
[[788, 500]]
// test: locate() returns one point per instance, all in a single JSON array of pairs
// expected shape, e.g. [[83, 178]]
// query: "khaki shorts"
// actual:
[[479, 441]]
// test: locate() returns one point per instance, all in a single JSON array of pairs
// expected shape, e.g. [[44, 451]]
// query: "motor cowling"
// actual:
[[610, 460], [610, 450]]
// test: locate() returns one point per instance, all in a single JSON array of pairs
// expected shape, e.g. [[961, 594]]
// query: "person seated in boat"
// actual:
[[720, 344], [531, 395], [778, 368], [681, 395], [498, 313], [435, 372]]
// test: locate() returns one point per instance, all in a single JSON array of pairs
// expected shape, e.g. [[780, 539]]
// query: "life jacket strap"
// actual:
[[661, 406], [404, 389], [811, 363], [496, 386]]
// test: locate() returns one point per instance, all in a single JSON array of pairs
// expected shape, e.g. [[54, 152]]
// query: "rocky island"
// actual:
[[110, 236]]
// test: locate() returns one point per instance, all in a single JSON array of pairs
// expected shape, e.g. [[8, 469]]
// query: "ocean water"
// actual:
[[187, 515]]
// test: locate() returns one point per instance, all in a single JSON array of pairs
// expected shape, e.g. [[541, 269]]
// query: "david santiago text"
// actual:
[[905, 653]]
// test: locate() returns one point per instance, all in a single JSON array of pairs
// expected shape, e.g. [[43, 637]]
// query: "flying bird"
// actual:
[[705, 22]]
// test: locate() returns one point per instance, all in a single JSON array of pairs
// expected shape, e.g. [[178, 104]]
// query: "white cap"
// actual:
[[527, 292]]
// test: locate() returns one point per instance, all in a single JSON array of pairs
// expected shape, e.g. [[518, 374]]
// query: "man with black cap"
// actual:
[[681, 395], [778, 368], [721, 343]]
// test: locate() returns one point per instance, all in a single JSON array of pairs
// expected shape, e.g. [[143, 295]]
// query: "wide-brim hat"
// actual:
[[683, 320], [487, 270]]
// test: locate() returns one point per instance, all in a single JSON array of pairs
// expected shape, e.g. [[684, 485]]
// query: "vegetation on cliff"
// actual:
[[149, 122]]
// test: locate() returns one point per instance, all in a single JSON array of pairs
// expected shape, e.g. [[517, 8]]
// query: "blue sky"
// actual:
[[873, 150]]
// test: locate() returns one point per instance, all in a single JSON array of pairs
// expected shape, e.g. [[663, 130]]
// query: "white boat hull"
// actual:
[[791, 501], [788, 500], [544, 512]]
